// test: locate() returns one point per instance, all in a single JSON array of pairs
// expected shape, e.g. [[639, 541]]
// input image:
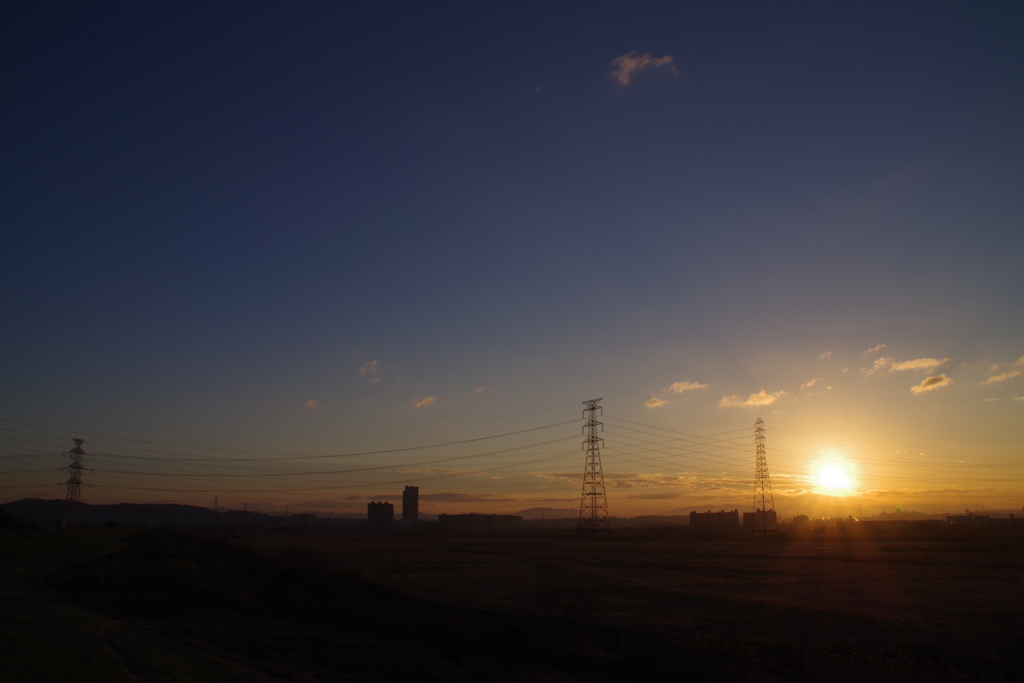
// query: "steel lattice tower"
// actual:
[[765, 521], [594, 521], [73, 499]]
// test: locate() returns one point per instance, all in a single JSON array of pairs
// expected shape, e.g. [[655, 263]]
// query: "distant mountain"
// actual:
[[46, 513]]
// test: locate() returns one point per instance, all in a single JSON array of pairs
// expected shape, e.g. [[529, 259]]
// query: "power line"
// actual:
[[288, 457]]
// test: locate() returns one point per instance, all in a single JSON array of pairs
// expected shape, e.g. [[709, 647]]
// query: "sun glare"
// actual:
[[834, 478]]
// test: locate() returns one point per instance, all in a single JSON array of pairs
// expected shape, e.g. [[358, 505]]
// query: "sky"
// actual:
[[253, 249]]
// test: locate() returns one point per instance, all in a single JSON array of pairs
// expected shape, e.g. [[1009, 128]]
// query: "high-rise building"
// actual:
[[411, 504], [380, 515]]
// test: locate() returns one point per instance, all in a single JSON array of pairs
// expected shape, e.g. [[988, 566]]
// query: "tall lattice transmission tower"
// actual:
[[765, 521], [594, 521], [74, 470]]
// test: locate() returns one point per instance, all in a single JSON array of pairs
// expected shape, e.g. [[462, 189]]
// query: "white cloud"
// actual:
[[825, 355], [811, 383], [655, 402], [931, 383], [423, 402], [990, 400], [370, 367], [887, 364], [761, 398], [680, 387], [1003, 377], [626, 66], [919, 364], [875, 349], [880, 365]]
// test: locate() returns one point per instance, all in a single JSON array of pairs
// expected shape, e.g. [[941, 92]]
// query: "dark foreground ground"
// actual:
[[282, 607]]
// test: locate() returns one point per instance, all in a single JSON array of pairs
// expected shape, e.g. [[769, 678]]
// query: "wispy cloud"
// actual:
[[423, 402], [478, 390], [1003, 377], [558, 476], [680, 387], [887, 364], [624, 68], [761, 398], [440, 470], [825, 355], [880, 365], [811, 383], [314, 404], [470, 497], [931, 383], [875, 349], [919, 364], [654, 480], [674, 389], [370, 367]]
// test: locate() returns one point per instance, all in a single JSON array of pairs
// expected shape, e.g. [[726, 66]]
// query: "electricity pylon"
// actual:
[[765, 521], [73, 498], [594, 521]]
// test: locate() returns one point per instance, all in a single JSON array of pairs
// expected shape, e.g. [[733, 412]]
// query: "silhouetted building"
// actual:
[[380, 515], [751, 520], [715, 521], [473, 523], [971, 519], [411, 504]]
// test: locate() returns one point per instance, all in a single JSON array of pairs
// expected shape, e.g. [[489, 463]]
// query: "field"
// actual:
[[368, 608]]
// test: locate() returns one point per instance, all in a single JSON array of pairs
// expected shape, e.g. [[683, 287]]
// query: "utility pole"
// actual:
[[765, 521], [594, 521], [73, 498]]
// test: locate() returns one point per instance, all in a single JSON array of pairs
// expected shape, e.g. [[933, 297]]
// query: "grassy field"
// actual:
[[49, 637], [956, 602], [307, 607]]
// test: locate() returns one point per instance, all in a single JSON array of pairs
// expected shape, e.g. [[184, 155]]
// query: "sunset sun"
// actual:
[[834, 479]]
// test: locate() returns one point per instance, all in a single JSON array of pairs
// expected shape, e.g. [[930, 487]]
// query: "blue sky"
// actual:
[[217, 215]]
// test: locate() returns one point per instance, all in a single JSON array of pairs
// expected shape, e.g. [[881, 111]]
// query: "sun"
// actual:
[[834, 478]]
